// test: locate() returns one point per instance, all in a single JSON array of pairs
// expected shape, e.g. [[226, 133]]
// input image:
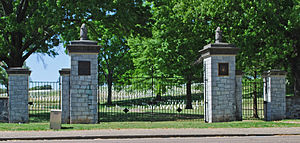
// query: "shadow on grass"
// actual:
[[146, 116], [67, 127], [125, 117], [39, 117], [165, 100]]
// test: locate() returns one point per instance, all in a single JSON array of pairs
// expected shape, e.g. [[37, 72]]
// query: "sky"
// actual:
[[45, 68]]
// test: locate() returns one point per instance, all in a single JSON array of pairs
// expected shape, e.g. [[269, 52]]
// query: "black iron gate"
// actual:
[[43, 96], [253, 99], [150, 99], [205, 94]]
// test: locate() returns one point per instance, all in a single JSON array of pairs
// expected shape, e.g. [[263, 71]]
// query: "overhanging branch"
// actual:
[[33, 39], [20, 7], [33, 49], [8, 7], [22, 12]]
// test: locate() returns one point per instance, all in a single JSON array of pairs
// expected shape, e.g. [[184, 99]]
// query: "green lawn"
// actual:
[[150, 125]]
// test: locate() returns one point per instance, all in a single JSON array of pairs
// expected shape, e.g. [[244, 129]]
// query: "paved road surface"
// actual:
[[235, 135], [252, 139], [139, 132]]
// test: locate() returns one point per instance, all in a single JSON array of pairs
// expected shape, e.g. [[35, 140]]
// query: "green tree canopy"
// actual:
[[109, 23], [266, 31], [28, 27], [173, 46]]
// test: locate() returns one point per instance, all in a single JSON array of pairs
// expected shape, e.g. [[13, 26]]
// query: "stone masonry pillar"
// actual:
[[18, 95], [83, 79], [65, 95], [238, 94], [274, 95], [220, 83]]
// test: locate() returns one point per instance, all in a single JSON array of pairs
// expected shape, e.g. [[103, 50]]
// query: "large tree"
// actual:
[[109, 23], [114, 61], [28, 27], [173, 47], [128, 18], [266, 31]]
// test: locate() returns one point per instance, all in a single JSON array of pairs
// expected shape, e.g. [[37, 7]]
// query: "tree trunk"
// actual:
[[15, 60], [255, 115], [189, 95], [158, 95], [109, 89]]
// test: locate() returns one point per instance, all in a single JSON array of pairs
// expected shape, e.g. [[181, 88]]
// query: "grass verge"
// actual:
[[150, 125]]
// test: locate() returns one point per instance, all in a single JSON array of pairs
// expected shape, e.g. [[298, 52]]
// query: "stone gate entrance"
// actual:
[[222, 88], [223, 95], [79, 102]]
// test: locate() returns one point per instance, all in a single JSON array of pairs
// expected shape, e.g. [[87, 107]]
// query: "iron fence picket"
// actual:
[[3, 90], [140, 98], [248, 98], [43, 96]]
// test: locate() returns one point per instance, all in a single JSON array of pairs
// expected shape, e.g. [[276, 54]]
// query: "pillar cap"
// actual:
[[83, 42], [83, 47], [64, 71], [18, 70], [275, 72], [239, 72], [218, 48]]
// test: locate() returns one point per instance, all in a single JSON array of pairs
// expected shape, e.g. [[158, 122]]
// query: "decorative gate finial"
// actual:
[[83, 32], [218, 35]]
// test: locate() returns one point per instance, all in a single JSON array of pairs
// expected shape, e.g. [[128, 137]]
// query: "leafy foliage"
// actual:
[[172, 47], [43, 87], [28, 27]]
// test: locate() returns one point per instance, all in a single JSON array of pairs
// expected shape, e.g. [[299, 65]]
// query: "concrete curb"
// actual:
[[138, 136]]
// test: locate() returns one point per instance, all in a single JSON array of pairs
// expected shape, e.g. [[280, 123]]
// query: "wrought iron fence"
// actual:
[[142, 99], [253, 99], [3, 90], [43, 96], [150, 99]]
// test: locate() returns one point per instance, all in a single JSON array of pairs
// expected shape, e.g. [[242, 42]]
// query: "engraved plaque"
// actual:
[[84, 68], [223, 69]]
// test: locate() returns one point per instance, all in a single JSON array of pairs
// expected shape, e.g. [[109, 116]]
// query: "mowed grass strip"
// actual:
[[150, 125]]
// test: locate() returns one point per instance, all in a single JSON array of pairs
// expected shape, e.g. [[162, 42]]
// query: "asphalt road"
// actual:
[[251, 139]]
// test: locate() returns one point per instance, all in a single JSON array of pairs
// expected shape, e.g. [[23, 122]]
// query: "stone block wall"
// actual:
[[207, 89], [220, 90], [65, 95], [275, 97], [83, 90], [3, 109], [238, 95], [18, 98], [293, 107]]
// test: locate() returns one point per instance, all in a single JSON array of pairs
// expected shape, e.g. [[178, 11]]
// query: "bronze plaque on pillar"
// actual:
[[223, 69], [84, 68]]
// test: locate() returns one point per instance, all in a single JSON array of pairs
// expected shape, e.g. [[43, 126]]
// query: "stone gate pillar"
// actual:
[[239, 94], [220, 89], [65, 95], [274, 95], [18, 95], [83, 79]]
